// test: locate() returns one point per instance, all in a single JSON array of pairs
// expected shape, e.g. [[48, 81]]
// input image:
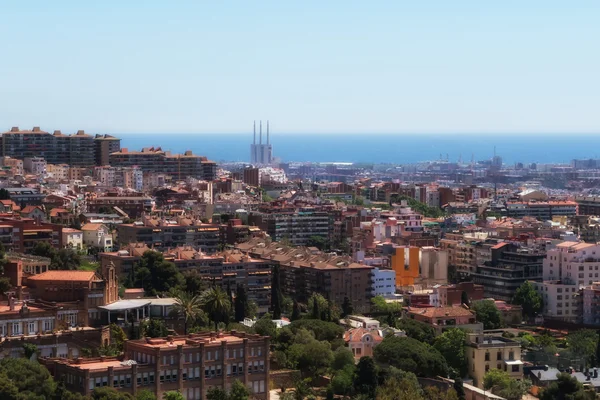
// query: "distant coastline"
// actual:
[[379, 148]]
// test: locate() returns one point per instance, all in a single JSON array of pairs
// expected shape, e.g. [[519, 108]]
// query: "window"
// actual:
[[487, 356], [487, 368], [511, 355], [515, 368], [499, 356]]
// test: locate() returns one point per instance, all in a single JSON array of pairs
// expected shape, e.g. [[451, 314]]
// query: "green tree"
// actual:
[[583, 343], [529, 299], [400, 386], [216, 304], [295, 311], [488, 314], [318, 241], [240, 303], [238, 391], [118, 337], [194, 282], [265, 326], [8, 390], [309, 354], [380, 306], [276, 296], [411, 355], [145, 395], [155, 328], [30, 349], [322, 330], [188, 307], [4, 285], [459, 388], [173, 395], [416, 330], [251, 309], [435, 393], [216, 393], [464, 299], [32, 380], [342, 382], [4, 194], [342, 357], [566, 387], [317, 304], [347, 308], [108, 393], [501, 384], [365, 377], [451, 344], [156, 275]]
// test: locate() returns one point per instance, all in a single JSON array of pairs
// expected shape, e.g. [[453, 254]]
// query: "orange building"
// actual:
[[405, 262]]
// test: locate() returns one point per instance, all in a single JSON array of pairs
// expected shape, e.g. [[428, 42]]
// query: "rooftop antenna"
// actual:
[[254, 131], [260, 134], [267, 132]]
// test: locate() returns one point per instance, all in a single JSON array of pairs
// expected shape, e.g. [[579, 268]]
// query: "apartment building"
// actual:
[[78, 149], [384, 282], [452, 295], [510, 265], [22, 235], [590, 296], [153, 159], [133, 205], [489, 351], [189, 364], [588, 205], [35, 165], [105, 145], [414, 265], [567, 268], [542, 210], [228, 269], [169, 233], [123, 177], [304, 272], [295, 224]]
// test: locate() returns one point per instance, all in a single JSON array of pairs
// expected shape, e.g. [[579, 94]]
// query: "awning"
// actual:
[[123, 305], [514, 362]]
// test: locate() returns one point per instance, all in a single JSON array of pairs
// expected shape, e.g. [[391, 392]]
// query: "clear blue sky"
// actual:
[[308, 66]]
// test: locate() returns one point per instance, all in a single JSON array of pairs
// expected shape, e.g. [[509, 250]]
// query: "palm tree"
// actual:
[[189, 307], [216, 304]]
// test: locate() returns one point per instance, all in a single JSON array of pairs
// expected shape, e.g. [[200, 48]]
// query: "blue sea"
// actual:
[[380, 148]]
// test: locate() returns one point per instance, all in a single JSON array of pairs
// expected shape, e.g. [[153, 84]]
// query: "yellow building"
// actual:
[[405, 262], [485, 352]]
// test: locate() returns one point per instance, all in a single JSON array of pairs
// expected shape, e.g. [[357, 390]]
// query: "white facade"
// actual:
[[35, 165], [97, 237], [384, 282], [559, 299], [72, 238]]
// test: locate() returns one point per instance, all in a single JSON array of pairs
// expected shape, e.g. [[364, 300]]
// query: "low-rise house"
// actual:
[[98, 236], [34, 212], [444, 318], [72, 238]]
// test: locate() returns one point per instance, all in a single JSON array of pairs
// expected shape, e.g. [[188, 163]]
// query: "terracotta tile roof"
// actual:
[[91, 227], [356, 334], [73, 276], [30, 209], [440, 312], [55, 211]]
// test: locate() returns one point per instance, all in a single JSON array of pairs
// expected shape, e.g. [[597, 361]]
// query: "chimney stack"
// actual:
[[254, 132], [260, 133]]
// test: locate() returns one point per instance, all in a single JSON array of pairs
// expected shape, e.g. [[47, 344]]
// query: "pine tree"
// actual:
[[295, 311], [316, 313], [240, 303], [276, 297], [347, 308]]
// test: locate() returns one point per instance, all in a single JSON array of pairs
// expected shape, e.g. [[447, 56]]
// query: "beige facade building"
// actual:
[[485, 352]]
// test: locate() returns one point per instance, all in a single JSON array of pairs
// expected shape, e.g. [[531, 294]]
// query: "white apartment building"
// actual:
[[35, 165], [384, 282], [568, 267], [591, 304]]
